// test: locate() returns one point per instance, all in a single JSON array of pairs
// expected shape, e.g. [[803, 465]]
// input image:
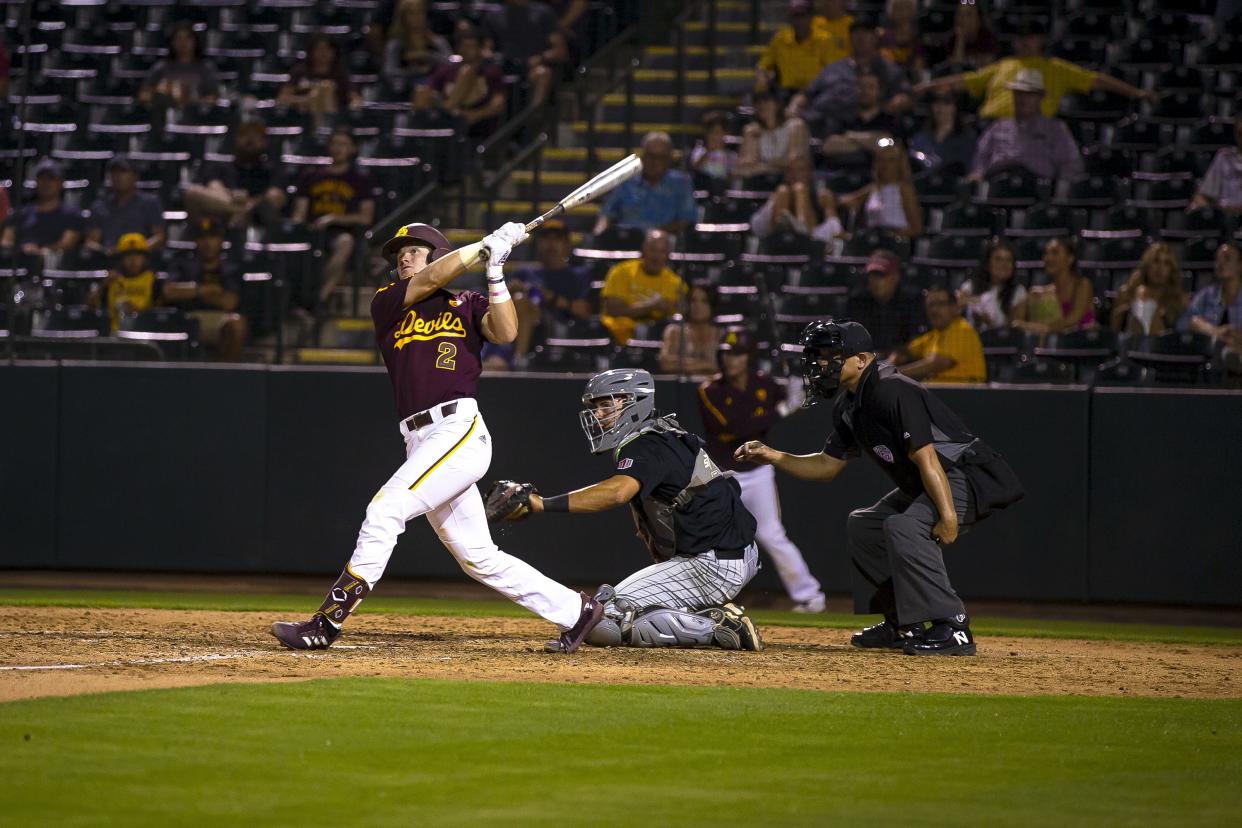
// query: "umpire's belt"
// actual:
[[425, 418]]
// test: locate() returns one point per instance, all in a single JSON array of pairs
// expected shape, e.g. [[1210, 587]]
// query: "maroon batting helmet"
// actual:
[[418, 233]]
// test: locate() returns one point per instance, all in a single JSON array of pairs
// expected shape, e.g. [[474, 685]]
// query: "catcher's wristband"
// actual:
[[559, 503], [497, 290]]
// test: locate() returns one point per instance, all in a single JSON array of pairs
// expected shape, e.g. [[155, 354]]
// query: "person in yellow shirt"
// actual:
[[131, 286], [835, 23], [950, 352], [641, 290], [992, 82], [796, 53]]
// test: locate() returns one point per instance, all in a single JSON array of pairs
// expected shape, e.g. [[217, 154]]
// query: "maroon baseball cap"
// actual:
[[884, 262]]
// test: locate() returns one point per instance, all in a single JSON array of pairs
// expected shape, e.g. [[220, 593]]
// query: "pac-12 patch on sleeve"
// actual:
[[625, 463]]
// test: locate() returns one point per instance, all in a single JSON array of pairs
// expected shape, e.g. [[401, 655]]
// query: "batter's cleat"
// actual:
[[315, 634], [571, 639], [815, 604], [945, 637], [887, 635], [747, 632]]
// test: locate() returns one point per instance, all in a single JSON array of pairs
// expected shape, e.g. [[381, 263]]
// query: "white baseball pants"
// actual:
[[759, 496]]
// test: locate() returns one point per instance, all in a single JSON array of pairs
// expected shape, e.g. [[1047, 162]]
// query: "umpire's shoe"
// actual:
[[315, 634], [572, 638], [946, 636], [887, 635]]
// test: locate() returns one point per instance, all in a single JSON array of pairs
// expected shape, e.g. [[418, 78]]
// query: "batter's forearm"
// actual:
[[441, 272]]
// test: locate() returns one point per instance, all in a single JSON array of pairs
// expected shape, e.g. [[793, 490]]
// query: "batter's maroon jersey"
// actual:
[[432, 347], [731, 417]]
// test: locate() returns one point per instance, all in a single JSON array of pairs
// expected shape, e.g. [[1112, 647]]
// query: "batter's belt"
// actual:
[[425, 418]]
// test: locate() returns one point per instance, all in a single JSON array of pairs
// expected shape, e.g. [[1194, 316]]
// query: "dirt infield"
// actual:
[[64, 651]]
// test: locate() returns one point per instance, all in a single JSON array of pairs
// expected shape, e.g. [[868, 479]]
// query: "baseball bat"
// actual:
[[601, 184]]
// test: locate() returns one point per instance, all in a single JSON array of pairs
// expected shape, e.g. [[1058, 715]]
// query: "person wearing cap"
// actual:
[[892, 311], [992, 82], [247, 189], [1029, 140], [830, 99], [742, 403], [122, 209], [950, 351], [208, 288], [47, 225], [552, 291], [946, 480], [132, 286], [796, 53]]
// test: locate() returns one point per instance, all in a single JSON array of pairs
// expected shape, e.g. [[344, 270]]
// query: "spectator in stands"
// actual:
[[1152, 299], [711, 156], [528, 36], [900, 39], [1216, 310], [799, 205], [413, 49], [795, 54], [122, 209], [835, 22], [889, 202], [471, 89], [950, 351], [972, 43], [642, 290], [5, 63], [861, 134], [772, 140], [132, 286], [47, 225], [243, 191], [5, 207], [1067, 302], [994, 82], [1029, 140], [338, 200], [660, 197], [184, 77], [830, 99], [890, 310], [945, 143], [992, 295], [1222, 183], [320, 84], [559, 289], [208, 289], [689, 346]]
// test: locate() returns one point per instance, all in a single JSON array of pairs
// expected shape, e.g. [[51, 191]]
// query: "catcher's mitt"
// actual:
[[507, 500]]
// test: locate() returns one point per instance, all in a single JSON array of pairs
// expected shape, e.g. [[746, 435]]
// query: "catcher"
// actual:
[[688, 513]]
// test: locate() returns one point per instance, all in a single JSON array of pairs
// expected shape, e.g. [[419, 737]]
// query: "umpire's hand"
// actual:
[[753, 451]]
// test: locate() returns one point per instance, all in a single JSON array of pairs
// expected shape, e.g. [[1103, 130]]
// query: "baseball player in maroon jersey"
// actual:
[[430, 339], [742, 404]]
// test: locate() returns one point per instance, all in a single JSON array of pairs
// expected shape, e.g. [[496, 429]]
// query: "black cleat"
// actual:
[[949, 636], [315, 634], [887, 636], [572, 638]]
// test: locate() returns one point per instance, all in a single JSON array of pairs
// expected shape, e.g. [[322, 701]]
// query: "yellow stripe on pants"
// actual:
[[447, 454]]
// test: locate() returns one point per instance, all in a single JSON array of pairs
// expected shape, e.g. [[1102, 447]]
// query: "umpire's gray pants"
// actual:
[[898, 568]]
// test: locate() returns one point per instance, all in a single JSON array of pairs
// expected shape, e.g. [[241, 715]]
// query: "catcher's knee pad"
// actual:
[[663, 627], [607, 633]]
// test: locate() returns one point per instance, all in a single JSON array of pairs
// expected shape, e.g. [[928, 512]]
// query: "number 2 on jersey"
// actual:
[[446, 359]]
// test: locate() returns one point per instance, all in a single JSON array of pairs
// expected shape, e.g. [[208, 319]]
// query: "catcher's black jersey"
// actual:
[[663, 463]]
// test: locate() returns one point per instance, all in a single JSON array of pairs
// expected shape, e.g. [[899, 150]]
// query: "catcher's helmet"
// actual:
[[635, 388], [418, 233], [827, 341]]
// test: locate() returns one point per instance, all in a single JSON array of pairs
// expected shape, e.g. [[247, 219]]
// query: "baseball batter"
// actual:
[[430, 339], [739, 405], [687, 512]]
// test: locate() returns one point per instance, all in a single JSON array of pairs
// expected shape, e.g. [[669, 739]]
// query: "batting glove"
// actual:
[[513, 232], [498, 249]]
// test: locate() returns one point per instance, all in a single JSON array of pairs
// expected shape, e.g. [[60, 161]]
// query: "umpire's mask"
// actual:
[[825, 347], [617, 405]]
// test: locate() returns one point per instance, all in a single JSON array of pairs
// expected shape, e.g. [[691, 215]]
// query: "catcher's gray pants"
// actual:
[[690, 584], [898, 568]]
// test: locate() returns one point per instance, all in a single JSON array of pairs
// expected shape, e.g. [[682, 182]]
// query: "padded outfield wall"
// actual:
[[1133, 495]]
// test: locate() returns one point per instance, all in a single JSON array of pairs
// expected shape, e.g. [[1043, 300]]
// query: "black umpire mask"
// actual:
[[825, 347]]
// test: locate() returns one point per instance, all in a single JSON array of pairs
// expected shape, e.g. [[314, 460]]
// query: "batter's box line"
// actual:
[[139, 662]]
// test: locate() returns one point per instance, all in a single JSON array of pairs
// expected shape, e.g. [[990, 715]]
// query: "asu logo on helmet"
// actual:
[[418, 233]]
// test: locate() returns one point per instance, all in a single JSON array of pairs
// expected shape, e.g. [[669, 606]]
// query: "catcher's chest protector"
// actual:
[[656, 520]]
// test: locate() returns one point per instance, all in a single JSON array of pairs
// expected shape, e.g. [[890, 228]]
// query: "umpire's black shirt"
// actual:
[[663, 463], [889, 416]]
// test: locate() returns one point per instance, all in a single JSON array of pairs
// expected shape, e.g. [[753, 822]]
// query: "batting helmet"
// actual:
[[825, 340], [418, 233]]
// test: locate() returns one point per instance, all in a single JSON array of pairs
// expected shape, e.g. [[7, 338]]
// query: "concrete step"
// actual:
[[732, 33], [736, 81], [663, 107], [613, 134], [574, 159], [727, 57]]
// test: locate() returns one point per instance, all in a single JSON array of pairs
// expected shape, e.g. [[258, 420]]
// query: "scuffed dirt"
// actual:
[[128, 649]]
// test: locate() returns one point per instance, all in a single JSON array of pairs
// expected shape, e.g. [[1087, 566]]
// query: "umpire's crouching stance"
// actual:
[[946, 478]]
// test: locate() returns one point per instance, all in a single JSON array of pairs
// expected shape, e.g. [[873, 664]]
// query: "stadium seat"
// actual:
[[70, 322], [1155, 54], [1204, 222], [952, 251], [1137, 134], [1093, 191], [1083, 351], [966, 219], [1016, 188], [1041, 220], [1200, 252], [1110, 250], [1037, 370], [1176, 357], [1217, 133], [1181, 78], [1171, 192], [1121, 371], [935, 188], [1103, 161]]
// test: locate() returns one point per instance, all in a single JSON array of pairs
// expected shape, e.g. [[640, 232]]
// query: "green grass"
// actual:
[[303, 604], [411, 752]]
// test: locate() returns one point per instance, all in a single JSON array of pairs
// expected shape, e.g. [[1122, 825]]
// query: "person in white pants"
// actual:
[[739, 405], [431, 339]]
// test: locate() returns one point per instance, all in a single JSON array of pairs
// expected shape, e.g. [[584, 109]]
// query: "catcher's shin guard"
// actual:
[[344, 597]]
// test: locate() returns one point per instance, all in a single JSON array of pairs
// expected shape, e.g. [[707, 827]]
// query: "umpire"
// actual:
[[947, 479]]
